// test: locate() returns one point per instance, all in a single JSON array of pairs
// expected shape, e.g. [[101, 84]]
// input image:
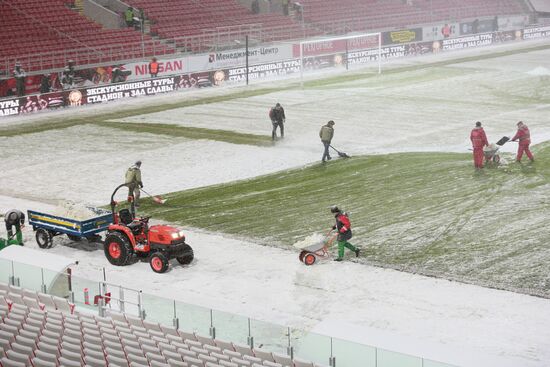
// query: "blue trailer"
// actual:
[[47, 226]]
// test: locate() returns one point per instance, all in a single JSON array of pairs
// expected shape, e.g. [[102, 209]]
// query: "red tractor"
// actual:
[[129, 237]]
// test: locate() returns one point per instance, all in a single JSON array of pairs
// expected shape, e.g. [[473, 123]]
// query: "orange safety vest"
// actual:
[[153, 67]]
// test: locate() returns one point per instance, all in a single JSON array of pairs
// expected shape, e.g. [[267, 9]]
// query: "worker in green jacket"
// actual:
[[133, 179], [129, 16], [326, 134]]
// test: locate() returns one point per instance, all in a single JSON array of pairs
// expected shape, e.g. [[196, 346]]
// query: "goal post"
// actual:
[[341, 51]]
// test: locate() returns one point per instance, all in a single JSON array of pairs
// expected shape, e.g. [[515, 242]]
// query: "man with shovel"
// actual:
[[326, 134], [133, 179], [278, 118]]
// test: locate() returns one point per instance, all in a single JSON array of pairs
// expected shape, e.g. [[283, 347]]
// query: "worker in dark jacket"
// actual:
[[19, 74], [343, 225], [45, 84], [278, 118], [326, 134]]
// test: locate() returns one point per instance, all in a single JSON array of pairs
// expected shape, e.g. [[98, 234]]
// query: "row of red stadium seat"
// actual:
[[43, 26]]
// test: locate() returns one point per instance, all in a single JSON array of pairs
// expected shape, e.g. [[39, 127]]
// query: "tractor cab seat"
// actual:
[[125, 216]]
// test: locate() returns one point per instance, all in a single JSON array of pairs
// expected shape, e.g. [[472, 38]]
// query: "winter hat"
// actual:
[[334, 209], [138, 163], [478, 124], [520, 123], [331, 123]]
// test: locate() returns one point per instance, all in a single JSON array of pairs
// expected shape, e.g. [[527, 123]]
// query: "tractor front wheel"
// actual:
[[44, 238], [117, 249], [188, 257], [158, 262]]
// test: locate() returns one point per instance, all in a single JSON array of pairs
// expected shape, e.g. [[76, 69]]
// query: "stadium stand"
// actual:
[[350, 15], [181, 18], [40, 330], [45, 34]]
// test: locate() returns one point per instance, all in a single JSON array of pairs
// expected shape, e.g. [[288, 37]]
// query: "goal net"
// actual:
[[352, 51]]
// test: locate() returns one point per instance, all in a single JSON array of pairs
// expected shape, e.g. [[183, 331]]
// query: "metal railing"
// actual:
[[294, 342], [214, 39]]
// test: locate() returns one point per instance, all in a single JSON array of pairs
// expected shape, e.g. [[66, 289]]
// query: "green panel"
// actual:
[[392, 359], [311, 347], [230, 326], [193, 318]]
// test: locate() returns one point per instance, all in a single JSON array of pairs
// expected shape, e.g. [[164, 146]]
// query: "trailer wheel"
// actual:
[[309, 259], [158, 262], [301, 256], [74, 238], [188, 257], [117, 249], [44, 238]]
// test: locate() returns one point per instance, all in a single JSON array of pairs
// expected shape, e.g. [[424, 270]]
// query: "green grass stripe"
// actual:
[[420, 212], [191, 132]]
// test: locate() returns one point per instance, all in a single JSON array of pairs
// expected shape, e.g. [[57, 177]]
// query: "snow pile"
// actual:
[[309, 241], [70, 209], [539, 71]]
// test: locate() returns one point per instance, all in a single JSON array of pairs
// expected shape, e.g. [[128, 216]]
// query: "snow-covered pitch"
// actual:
[[434, 318]]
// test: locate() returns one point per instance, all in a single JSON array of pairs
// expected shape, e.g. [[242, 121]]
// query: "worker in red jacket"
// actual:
[[343, 225], [479, 140], [154, 67], [524, 139]]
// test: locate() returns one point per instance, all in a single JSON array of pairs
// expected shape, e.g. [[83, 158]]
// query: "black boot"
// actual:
[[357, 251]]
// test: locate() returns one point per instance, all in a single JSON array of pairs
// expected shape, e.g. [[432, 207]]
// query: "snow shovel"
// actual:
[[157, 198], [340, 154], [503, 140]]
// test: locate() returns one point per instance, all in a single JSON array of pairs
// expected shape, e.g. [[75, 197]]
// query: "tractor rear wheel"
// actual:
[[44, 238], [158, 262], [188, 257], [117, 249], [301, 256]]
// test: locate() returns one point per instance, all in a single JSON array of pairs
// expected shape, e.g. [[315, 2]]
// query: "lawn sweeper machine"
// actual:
[[490, 153], [129, 237]]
